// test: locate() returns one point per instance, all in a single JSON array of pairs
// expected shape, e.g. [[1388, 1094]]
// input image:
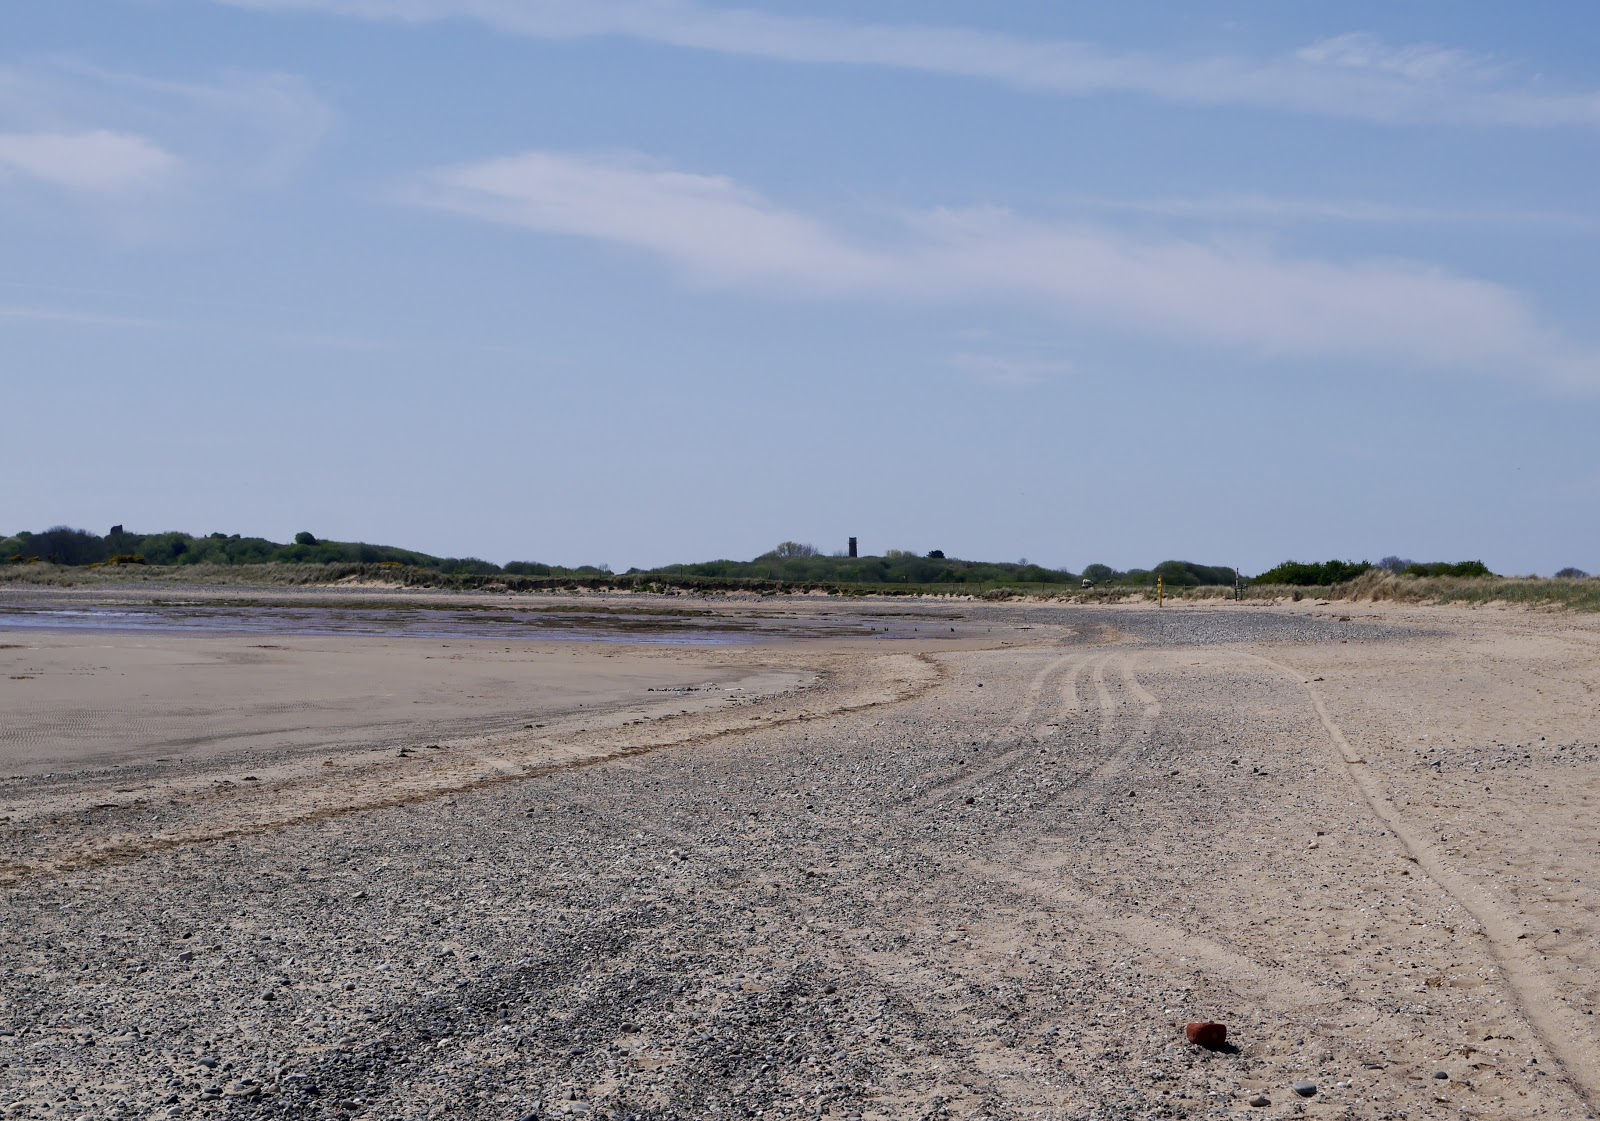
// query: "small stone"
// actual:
[[186, 955], [1441, 1074], [1305, 1089], [1260, 1100], [1206, 1034]]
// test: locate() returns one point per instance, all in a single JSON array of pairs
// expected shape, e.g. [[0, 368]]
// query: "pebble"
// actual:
[[1305, 1089], [1260, 1100]]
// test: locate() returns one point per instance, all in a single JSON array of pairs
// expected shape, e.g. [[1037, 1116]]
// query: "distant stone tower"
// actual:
[[852, 546]]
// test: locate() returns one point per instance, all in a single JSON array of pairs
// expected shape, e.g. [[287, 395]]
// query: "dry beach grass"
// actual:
[[983, 876]]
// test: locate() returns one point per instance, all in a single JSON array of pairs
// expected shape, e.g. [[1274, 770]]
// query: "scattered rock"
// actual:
[[1206, 1034], [1305, 1089]]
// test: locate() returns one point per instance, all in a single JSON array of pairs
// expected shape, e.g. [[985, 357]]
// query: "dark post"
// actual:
[[852, 546]]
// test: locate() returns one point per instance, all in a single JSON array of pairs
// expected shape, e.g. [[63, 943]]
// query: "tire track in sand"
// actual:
[[1144, 725], [1122, 754], [1022, 720], [1562, 1030]]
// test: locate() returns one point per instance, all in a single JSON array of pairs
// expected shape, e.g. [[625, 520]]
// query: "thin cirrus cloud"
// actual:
[[72, 318], [719, 233], [715, 230], [998, 369], [97, 162], [253, 127], [1258, 209], [125, 146], [1353, 76]]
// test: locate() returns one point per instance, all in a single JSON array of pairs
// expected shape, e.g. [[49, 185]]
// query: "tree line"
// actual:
[[65, 545]]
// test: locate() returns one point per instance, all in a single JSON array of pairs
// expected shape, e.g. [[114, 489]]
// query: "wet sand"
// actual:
[[905, 879], [75, 700]]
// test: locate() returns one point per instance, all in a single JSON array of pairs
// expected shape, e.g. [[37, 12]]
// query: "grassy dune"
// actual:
[[1376, 586]]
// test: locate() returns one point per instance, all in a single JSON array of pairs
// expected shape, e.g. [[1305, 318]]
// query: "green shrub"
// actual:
[[1442, 568], [1328, 572]]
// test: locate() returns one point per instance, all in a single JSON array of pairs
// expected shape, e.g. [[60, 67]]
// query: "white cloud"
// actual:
[[253, 126], [1235, 295], [143, 155], [98, 162], [707, 225], [1351, 76]]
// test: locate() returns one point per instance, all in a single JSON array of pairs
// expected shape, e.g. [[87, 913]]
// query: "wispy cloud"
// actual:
[[997, 369], [137, 151], [1420, 62], [719, 232], [707, 225], [1351, 76], [98, 162], [1267, 209], [73, 318], [255, 126]]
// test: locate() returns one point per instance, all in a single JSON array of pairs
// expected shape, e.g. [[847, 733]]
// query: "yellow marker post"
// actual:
[[1161, 591]]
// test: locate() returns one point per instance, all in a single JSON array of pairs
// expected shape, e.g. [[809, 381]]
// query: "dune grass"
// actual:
[[1377, 586]]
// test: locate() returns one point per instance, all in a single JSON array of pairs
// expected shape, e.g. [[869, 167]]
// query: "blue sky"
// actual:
[[641, 282]]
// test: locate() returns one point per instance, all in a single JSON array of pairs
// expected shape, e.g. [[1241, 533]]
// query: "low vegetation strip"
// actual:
[[64, 556]]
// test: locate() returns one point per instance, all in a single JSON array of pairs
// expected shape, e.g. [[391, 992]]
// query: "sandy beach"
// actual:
[[987, 866]]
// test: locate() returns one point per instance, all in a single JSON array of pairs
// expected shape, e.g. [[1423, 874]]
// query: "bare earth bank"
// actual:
[[987, 877]]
